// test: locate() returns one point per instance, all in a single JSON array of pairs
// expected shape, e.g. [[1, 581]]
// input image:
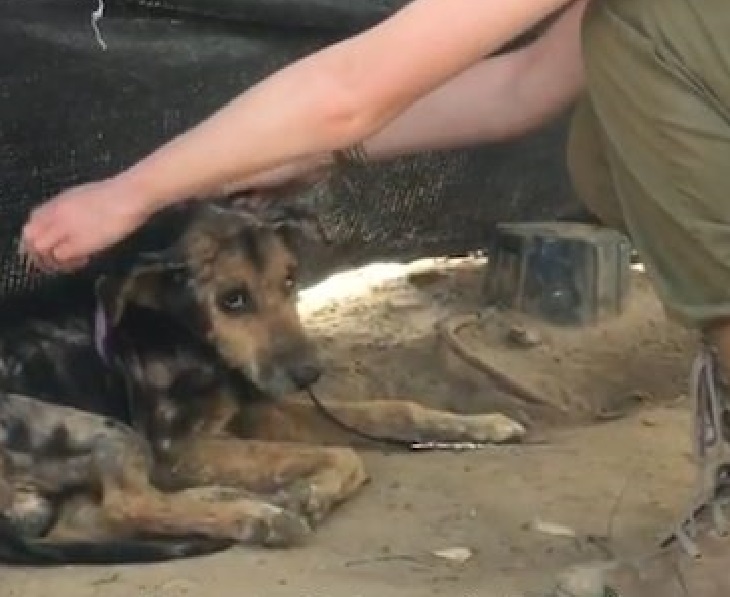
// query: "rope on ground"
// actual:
[[448, 330]]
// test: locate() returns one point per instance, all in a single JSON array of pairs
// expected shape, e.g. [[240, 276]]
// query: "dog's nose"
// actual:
[[305, 374]]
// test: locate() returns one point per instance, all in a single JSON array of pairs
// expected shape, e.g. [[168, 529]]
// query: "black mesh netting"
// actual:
[[72, 112]]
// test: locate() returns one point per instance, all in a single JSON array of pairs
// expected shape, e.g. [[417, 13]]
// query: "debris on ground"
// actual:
[[523, 337], [552, 528], [458, 555]]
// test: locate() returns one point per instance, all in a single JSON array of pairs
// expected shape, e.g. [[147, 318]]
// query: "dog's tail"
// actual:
[[17, 550]]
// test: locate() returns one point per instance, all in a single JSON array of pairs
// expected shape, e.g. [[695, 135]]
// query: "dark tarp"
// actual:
[[72, 112]]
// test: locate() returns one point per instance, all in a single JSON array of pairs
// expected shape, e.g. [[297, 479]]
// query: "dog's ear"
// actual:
[[140, 284], [296, 224], [293, 222]]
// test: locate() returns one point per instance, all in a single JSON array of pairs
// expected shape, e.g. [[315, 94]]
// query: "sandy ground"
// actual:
[[624, 476]]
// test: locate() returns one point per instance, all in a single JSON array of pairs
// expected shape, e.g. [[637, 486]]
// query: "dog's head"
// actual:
[[231, 279]]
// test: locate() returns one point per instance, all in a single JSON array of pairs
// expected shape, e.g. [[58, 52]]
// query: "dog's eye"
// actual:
[[291, 281], [290, 284], [234, 301]]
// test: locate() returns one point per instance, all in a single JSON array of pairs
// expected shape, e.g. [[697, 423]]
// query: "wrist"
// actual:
[[140, 195]]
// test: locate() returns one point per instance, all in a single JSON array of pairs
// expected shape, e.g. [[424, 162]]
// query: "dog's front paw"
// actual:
[[302, 497], [493, 428], [271, 526]]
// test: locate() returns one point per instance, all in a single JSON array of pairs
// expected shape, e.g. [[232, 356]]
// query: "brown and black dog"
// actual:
[[179, 432]]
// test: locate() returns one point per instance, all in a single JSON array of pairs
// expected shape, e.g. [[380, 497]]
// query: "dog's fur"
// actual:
[[189, 437]]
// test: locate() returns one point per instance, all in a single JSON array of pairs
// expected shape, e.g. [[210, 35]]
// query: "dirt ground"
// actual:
[[609, 409]]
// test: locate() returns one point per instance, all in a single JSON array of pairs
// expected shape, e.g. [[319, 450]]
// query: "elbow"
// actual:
[[350, 107]]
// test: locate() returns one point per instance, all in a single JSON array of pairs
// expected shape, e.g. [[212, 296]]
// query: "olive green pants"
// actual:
[[649, 149]]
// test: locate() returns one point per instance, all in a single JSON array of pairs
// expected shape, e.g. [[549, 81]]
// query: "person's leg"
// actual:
[[588, 167], [666, 131], [650, 153]]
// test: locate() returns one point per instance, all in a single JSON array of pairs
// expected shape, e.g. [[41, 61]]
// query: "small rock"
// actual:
[[460, 555], [523, 337], [551, 528], [583, 581]]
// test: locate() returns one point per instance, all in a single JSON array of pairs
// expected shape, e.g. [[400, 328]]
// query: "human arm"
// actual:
[[498, 99], [329, 100]]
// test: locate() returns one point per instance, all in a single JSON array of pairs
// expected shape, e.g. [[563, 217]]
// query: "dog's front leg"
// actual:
[[310, 480], [298, 419], [105, 457], [130, 501]]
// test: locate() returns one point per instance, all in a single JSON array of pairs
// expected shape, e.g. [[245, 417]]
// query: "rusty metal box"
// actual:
[[562, 272]]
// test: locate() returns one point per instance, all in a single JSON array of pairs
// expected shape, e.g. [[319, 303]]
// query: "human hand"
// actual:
[[63, 233]]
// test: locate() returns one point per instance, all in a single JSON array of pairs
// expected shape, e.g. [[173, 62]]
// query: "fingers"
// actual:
[[75, 264], [67, 257], [45, 263], [62, 234], [45, 242], [39, 239], [39, 233], [40, 261], [52, 262], [48, 248], [39, 223]]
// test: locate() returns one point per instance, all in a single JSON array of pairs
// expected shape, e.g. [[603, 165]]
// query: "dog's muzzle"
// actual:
[[304, 374], [286, 374]]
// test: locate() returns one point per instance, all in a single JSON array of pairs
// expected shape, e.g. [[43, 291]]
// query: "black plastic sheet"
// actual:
[[72, 112]]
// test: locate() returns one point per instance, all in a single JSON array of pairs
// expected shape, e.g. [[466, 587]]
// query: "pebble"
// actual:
[[523, 337]]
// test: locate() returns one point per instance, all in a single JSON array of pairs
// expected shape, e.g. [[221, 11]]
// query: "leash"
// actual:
[[327, 414], [416, 446]]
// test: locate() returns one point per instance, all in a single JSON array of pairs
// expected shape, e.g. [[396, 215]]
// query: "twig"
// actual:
[[96, 16], [617, 504], [604, 543], [404, 557]]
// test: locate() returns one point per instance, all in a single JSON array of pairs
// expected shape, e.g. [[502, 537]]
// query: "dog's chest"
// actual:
[[180, 394]]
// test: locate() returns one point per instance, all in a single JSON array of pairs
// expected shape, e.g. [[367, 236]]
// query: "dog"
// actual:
[[170, 421]]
